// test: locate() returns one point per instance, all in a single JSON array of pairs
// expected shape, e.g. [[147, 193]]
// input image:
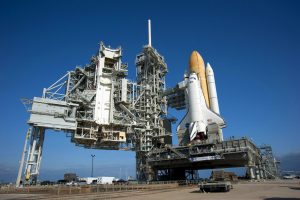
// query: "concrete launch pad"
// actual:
[[265, 190]]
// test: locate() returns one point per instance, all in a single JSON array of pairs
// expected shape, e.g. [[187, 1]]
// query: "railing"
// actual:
[[66, 190]]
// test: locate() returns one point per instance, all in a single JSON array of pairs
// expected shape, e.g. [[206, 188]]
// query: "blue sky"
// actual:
[[253, 47]]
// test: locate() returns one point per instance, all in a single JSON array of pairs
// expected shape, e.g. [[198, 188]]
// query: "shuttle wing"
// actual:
[[212, 117], [209, 116]]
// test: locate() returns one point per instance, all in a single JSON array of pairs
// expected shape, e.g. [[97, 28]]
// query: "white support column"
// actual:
[[28, 134], [34, 154], [257, 173], [261, 172], [251, 172]]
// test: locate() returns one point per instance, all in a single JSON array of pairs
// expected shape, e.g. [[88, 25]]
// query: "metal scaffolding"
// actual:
[[269, 163], [99, 108]]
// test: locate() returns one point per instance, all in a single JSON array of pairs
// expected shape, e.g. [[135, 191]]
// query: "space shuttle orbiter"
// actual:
[[202, 117]]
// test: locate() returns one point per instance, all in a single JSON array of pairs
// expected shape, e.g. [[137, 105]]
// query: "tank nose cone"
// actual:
[[195, 62]]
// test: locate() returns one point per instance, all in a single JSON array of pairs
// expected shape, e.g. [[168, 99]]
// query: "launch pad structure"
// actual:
[[99, 108], [182, 163]]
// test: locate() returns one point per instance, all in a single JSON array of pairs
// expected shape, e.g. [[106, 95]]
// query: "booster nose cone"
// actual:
[[196, 65], [209, 70]]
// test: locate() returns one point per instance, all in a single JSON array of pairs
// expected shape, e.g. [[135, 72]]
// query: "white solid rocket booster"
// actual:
[[212, 90]]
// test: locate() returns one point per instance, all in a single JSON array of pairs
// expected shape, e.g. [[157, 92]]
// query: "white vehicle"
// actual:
[[87, 180], [105, 180], [289, 176], [72, 183]]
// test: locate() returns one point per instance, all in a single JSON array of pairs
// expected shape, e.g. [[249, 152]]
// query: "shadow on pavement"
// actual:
[[196, 191], [281, 198], [295, 188]]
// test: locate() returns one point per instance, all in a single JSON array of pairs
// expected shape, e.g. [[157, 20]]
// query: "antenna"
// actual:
[[149, 33]]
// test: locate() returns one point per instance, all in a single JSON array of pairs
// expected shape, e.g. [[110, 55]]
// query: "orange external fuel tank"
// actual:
[[197, 66]]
